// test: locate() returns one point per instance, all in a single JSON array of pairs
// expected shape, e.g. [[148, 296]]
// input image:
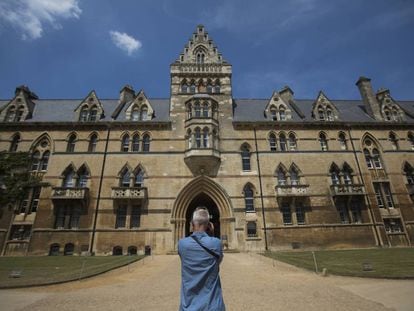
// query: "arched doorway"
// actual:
[[204, 191], [203, 200]]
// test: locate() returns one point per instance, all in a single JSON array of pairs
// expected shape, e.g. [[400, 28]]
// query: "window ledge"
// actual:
[[253, 239]]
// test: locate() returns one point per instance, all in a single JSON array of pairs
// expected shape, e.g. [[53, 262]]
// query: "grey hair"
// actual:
[[201, 216]]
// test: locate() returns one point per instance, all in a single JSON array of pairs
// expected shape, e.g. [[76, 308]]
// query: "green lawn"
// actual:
[[385, 263], [51, 269]]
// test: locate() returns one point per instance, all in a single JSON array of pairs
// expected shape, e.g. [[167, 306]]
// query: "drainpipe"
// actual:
[[261, 188], [371, 214], [98, 200]]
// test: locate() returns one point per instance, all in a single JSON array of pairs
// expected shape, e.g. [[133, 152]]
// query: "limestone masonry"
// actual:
[[122, 176]]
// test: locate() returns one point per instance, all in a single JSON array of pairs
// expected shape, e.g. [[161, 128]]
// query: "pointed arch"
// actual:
[[83, 174], [125, 167], [68, 176], [15, 141], [334, 167], [281, 173], [369, 136], [39, 139]]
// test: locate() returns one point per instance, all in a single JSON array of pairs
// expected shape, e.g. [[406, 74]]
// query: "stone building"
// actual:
[[124, 175]]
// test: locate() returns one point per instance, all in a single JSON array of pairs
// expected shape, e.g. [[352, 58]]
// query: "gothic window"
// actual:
[[135, 217], [198, 137], [125, 143], [294, 176], [190, 139], [44, 161], [200, 58], [334, 175], [272, 142], [68, 177], [411, 140], [209, 88], [83, 175], [205, 110], [343, 212], [273, 113], [71, 143], [184, 88], [139, 179], [329, 115], [347, 175], [93, 114], [342, 141], [281, 176], [394, 141], [286, 214], [135, 113], [248, 198], [282, 142], [35, 161], [60, 217], [189, 111], [205, 138], [54, 250], [74, 218], [245, 155], [292, 142], [251, 229], [409, 173], [383, 195], [282, 114], [146, 143], [192, 87], [83, 116], [376, 158], [35, 200], [69, 249], [125, 179], [15, 143], [92, 143], [121, 213], [11, 114], [144, 113], [197, 110], [135, 143], [217, 87], [132, 250], [323, 142], [300, 213]]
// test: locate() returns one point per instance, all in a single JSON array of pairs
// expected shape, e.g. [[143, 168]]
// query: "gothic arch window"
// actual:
[[135, 113], [394, 140], [11, 114], [197, 110], [409, 173], [139, 178], [323, 142], [282, 113], [282, 142], [248, 198], [117, 251], [209, 87], [294, 176], [184, 87], [292, 142], [272, 142], [15, 143], [35, 161], [189, 111], [135, 143], [125, 178], [251, 229], [19, 114], [83, 175], [205, 110], [54, 249], [192, 87], [200, 58], [372, 154], [93, 140], [217, 88], [93, 113], [68, 177], [190, 139], [44, 161], [347, 174], [71, 143], [146, 143], [83, 116], [410, 138], [335, 172], [273, 113], [281, 176], [125, 143], [376, 158], [144, 113], [368, 159], [205, 137], [342, 141], [329, 115], [197, 134], [245, 155]]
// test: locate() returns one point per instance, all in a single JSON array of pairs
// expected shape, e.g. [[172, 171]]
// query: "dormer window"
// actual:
[[135, 113], [144, 113], [282, 114]]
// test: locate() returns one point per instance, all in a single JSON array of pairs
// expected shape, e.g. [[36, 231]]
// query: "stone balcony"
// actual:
[[292, 190], [378, 174], [129, 193], [203, 161], [201, 121], [347, 190], [70, 194]]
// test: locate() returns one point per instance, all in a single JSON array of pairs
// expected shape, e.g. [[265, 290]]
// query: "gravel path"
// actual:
[[250, 282]]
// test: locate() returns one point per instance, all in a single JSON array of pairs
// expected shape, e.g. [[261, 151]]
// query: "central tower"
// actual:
[[201, 101]]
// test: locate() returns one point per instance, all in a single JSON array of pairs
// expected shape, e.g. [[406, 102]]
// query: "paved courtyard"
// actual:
[[250, 282]]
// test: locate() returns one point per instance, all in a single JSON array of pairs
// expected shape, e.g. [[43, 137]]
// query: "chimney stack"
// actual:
[[126, 94], [286, 93], [370, 101]]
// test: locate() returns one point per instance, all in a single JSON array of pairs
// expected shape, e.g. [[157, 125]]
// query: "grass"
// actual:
[[385, 263], [55, 269]]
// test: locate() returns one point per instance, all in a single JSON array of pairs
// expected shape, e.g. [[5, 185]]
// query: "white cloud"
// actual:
[[125, 42], [30, 16]]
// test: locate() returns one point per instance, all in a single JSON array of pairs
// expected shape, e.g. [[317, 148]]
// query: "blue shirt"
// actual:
[[200, 280]]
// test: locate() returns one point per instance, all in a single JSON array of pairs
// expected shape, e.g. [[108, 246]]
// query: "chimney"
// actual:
[[367, 94], [126, 94], [286, 93]]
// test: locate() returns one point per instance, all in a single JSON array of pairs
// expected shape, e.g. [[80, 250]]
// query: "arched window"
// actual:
[[197, 110], [292, 142], [347, 174], [192, 88], [135, 113], [19, 115], [139, 179], [377, 159], [217, 89], [92, 143], [125, 178], [323, 142], [44, 161], [190, 111], [146, 143], [35, 161], [272, 142], [411, 140], [329, 115], [184, 88], [409, 173], [335, 177], [117, 251], [387, 114], [15, 143], [282, 114], [83, 175], [282, 142], [209, 88], [245, 154], [132, 250], [294, 177], [11, 114], [200, 58], [394, 141], [190, 139], [321, 114], [93, 114], [273, 113], [205, 110], [69, 249], [251, 229], [342, 141], [197, 133], [368, 159], [83, 116], [125, 143], [144, 113], [68, 177], [205, 138], [71, 143], [395, 114], [281, 177], [135, 143], [248, 198], [54, 249]]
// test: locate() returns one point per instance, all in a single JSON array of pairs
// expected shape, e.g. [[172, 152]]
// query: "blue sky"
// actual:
[[65, 48]]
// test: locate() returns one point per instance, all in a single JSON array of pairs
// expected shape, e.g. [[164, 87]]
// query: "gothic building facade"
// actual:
[[124, 175]]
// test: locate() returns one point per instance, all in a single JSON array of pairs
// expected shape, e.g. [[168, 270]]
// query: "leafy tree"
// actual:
[[15, 178]]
